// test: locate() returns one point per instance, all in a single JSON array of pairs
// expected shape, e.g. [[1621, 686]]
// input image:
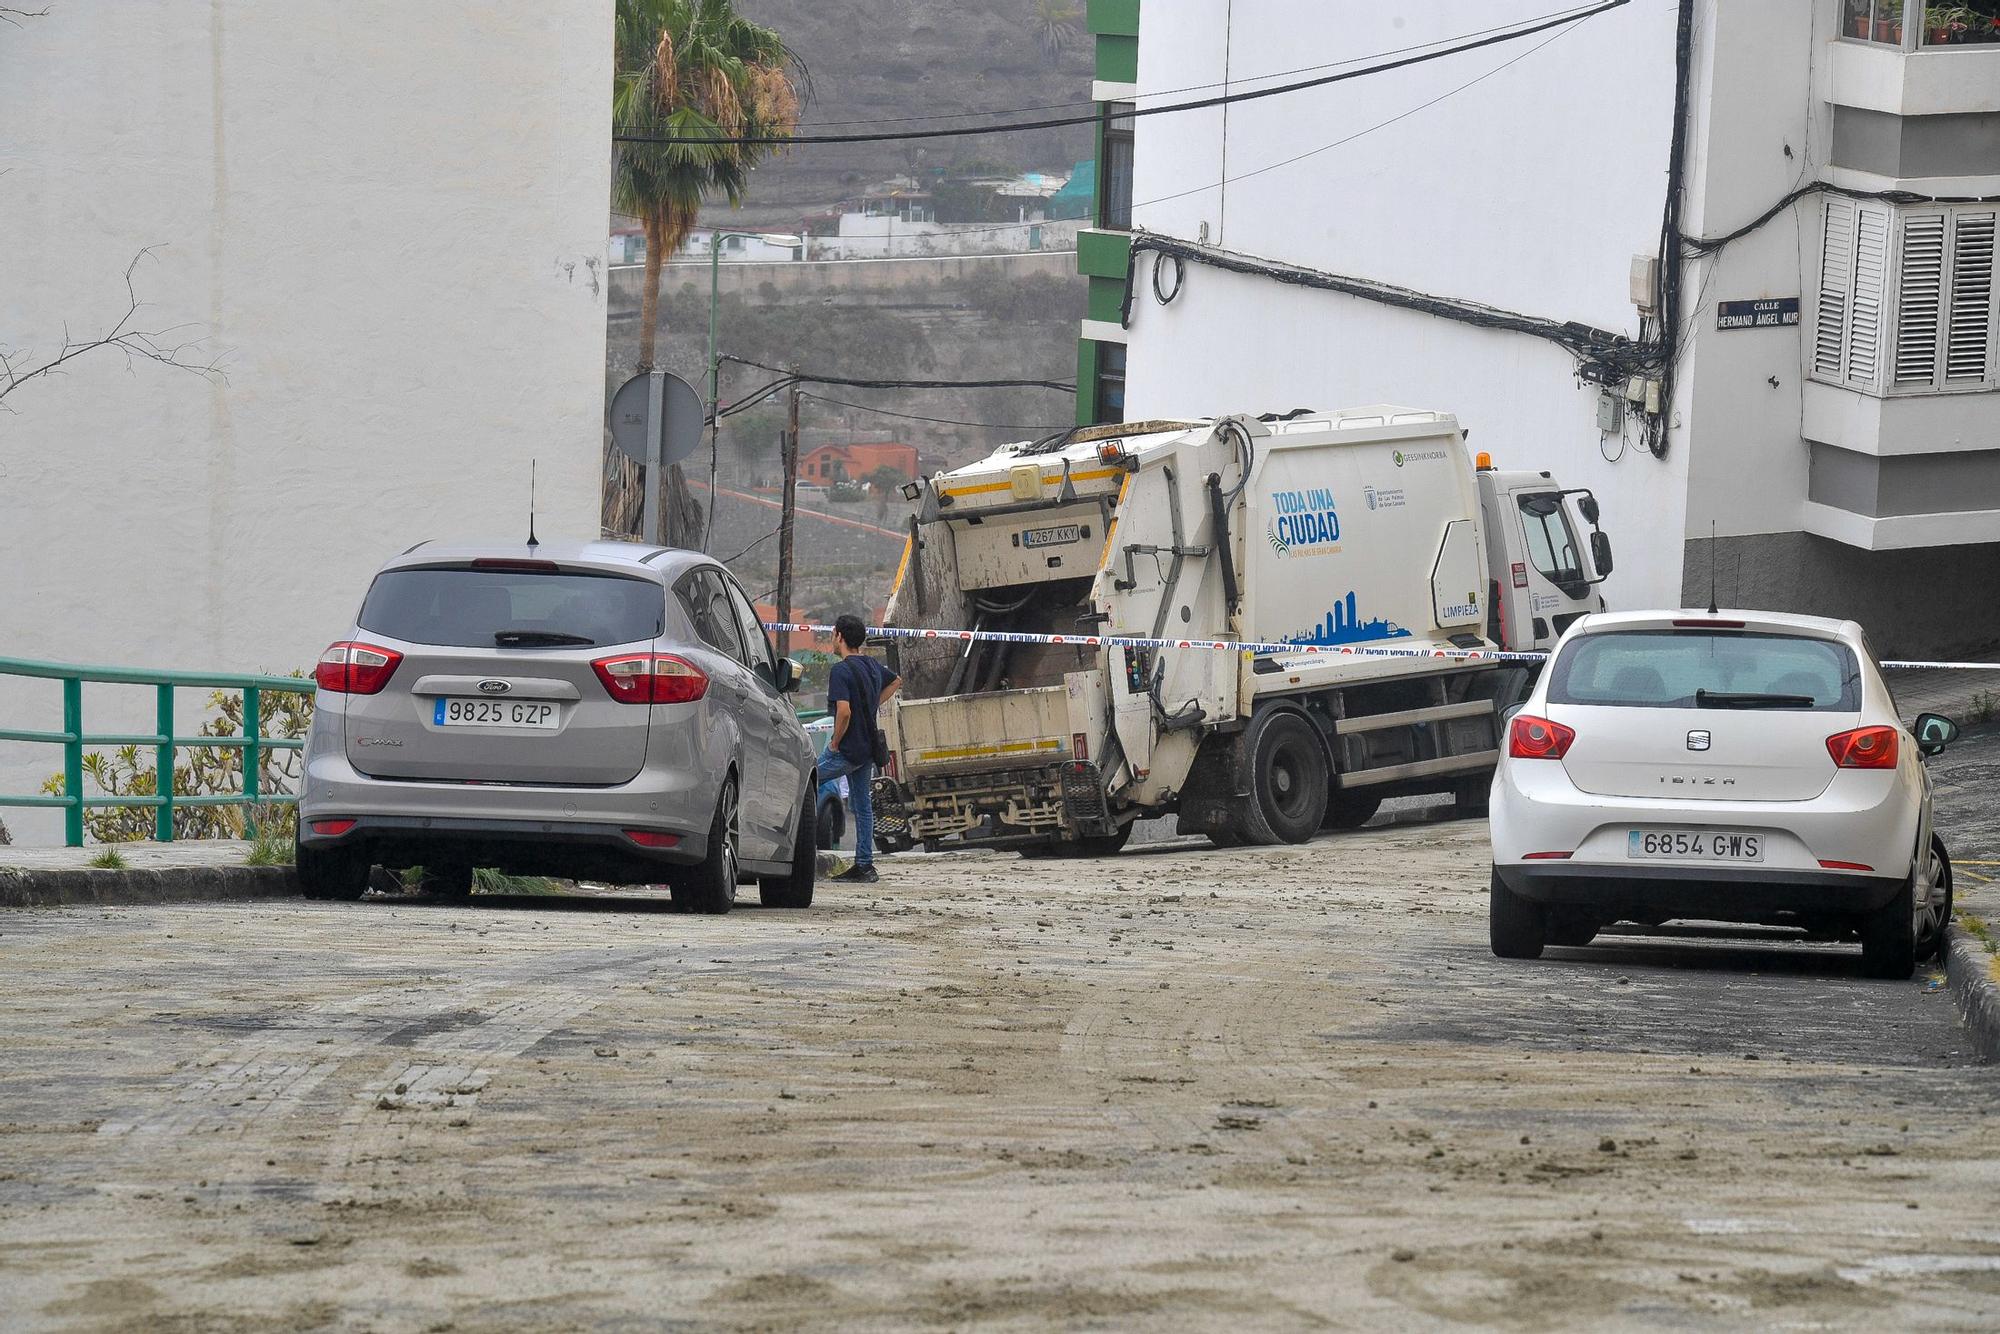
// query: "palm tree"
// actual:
[[1055, 27], [689, 69]]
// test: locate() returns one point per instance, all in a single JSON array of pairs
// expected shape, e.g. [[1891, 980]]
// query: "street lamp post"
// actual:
[[715, 241]]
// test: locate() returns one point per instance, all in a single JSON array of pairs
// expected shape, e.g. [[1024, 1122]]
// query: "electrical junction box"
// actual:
[[1610, 413], [1645, 280]]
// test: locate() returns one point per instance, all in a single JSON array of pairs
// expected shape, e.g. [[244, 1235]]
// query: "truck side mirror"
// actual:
[[1586, 505], [1600, 551]]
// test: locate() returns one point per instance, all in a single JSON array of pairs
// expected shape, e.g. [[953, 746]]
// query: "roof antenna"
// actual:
[[532, 543], [1712, 560]]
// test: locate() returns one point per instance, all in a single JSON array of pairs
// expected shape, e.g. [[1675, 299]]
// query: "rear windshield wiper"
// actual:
[[530, 638], [1724, 700]]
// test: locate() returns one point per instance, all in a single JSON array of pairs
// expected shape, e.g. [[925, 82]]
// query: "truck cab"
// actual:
[[1545, 553]]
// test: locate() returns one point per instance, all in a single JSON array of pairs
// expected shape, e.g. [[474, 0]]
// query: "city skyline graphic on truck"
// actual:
[[1343, 625]]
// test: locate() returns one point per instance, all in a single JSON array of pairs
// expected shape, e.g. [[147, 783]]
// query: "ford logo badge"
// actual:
[[494, 687]]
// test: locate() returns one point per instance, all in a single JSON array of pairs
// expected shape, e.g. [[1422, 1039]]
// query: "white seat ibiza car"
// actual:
[[1733, 766]]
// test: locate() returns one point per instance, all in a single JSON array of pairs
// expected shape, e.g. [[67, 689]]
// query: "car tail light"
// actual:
[[647, 838], [1532, 738], [332, 828], [1864, 748], [1546, 856], [1845, 866], [1079, 746], [651, 678], [354, 668], [1709, 625]]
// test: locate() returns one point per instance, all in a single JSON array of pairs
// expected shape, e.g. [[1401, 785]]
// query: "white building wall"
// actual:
[[1531, 188], [386, 219], [1753, 100]]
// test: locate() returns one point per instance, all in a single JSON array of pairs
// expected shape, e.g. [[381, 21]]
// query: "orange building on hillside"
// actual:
[[856, 463]]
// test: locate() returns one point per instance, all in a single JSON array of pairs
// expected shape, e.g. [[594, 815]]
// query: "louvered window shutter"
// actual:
[[1871, 270], [1969, 336], [1919, 298], [1836, 284]]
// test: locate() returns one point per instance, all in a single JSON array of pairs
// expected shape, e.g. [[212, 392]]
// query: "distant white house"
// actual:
[[628, 246], [898, 219]]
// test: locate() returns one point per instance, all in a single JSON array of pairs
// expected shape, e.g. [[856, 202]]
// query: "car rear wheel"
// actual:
[[795, 890], [339, 874], [1518, 927], [710, 885], [1889, 937], [1288, 779], [1937, 916]]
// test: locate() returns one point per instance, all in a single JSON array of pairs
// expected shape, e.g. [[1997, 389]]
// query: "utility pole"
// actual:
[[788, 451]]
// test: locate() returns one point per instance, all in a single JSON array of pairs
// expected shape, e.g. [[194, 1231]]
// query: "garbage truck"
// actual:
[[1360, 559]]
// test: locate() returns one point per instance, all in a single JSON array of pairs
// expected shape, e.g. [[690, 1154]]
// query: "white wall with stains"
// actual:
[[384, 221]]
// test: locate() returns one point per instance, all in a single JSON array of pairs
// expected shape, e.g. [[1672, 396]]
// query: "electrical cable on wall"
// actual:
[[1603, 357]]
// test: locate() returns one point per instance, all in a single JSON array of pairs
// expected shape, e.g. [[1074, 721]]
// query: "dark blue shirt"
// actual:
[[860, 680]]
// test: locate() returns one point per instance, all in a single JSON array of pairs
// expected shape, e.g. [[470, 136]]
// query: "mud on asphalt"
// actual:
[[1284, 1088]]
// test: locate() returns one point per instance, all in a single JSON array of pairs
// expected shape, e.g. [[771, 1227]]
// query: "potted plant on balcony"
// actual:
[[1889, 30], [1945, 23]]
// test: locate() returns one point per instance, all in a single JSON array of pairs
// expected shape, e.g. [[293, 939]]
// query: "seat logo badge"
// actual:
[[500, 688], [1696, 740]]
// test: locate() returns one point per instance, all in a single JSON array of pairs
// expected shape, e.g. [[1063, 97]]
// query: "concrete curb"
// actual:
[[180, 884], [1968, 972]]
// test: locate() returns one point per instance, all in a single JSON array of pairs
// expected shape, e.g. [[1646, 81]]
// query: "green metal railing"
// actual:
[[74, 740]]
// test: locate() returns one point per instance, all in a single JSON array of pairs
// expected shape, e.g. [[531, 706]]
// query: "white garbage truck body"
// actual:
[[1368, 529]]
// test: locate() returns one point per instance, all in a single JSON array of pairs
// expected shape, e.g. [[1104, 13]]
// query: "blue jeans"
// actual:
[[860, 798]]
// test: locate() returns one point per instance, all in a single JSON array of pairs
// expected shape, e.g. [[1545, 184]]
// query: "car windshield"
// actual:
[[1705, 669], [467, 608]]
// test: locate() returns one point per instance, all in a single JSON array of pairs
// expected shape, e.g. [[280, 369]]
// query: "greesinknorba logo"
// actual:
[[1420, 456]]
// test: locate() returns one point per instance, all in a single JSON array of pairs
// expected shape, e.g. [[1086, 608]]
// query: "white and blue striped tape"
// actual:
[[1244, 646]]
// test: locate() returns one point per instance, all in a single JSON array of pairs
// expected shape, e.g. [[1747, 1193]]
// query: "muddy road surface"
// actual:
[[1181, 1087]]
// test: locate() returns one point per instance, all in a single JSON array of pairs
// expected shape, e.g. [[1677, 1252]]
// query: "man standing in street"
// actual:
[[856, 692]]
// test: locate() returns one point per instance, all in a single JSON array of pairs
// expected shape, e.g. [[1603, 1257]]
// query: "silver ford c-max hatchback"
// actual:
[[610, 710]]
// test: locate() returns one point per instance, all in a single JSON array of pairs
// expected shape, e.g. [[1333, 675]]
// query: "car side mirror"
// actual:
[[1600, 551], [1934, 732], [790, 675]]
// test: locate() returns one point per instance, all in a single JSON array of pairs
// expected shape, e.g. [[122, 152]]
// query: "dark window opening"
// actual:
[[1108, 395], [1114, 177]]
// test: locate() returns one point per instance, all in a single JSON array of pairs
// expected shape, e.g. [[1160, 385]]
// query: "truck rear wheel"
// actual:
[[1288, 778]]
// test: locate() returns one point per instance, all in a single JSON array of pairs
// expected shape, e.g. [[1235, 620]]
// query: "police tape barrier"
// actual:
[[1256, 648]]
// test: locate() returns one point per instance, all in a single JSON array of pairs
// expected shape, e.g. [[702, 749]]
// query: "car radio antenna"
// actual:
[[1712, 559], [532, 543]]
